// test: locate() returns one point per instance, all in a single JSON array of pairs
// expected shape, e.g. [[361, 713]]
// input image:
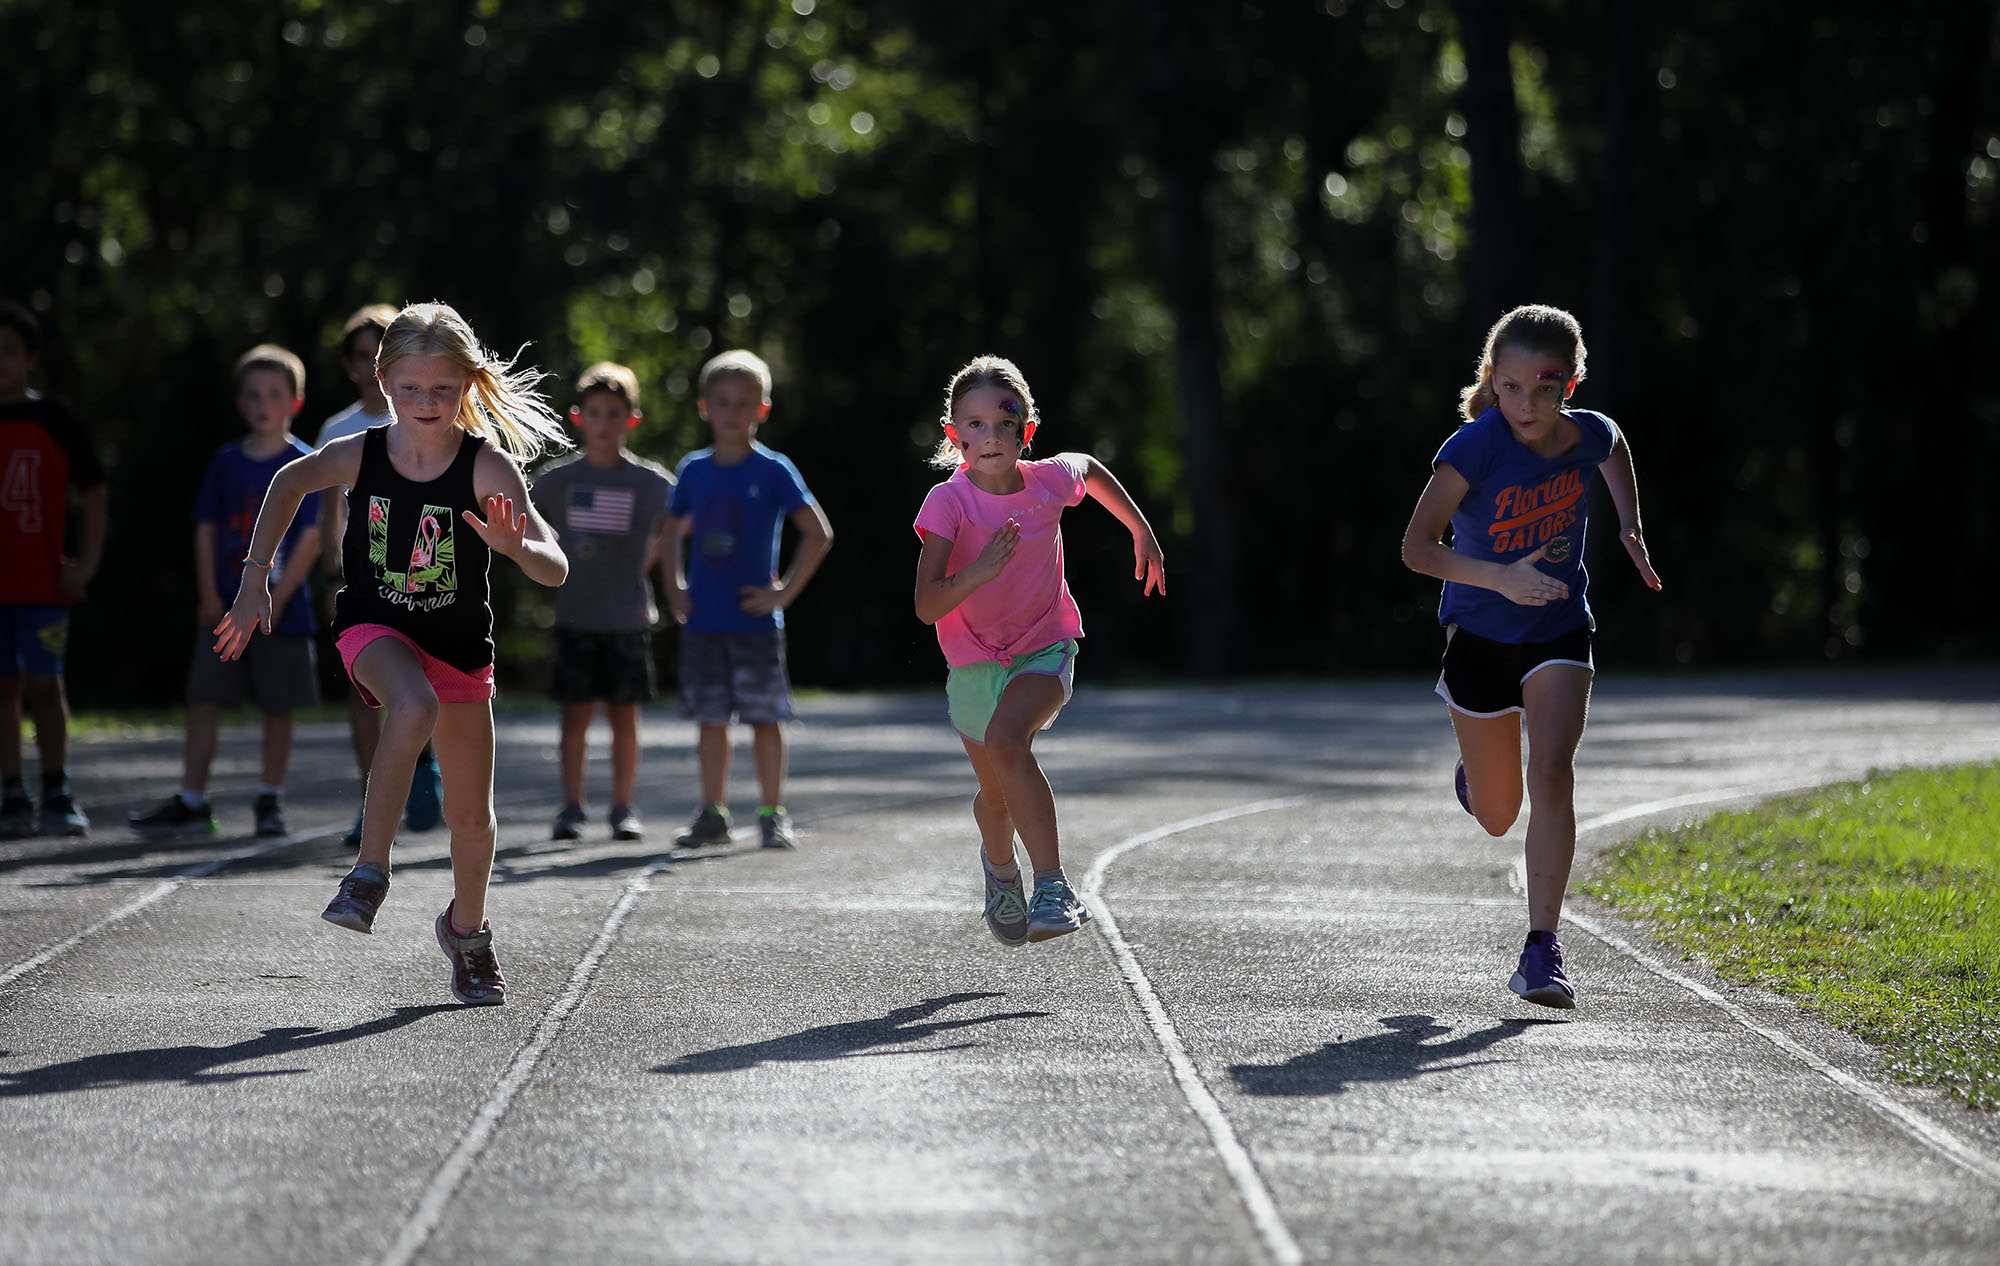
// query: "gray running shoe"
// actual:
[[569, 823], [270, 811], [1054, 911], [625, 824], [475, 973], [1006, 914], [17, 818], [776, 829], [360, 896], [60, 816], [710, 826]]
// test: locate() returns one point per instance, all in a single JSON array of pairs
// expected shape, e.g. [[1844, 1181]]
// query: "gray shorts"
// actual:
[[277, 672], [735, 677]]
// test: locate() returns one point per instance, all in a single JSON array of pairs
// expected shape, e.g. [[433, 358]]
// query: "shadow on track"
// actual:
[[192, 1065], [853, 1038], [1403, 1053]]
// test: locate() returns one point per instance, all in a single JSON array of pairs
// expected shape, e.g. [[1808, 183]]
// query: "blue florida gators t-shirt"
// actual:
[[1517, 502], [736, 516], [232, 491]]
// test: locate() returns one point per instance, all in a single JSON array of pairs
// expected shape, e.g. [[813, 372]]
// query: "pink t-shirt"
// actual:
[[1027, 606]]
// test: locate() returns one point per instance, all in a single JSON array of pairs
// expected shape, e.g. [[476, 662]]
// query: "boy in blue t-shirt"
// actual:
[[729, 505], [276, 672]]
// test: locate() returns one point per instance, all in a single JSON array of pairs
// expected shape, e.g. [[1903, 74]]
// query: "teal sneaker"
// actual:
[[61, 817], [1054, 911], [425, 807]]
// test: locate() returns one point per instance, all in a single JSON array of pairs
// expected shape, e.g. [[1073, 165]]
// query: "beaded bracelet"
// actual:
[[265, 563]]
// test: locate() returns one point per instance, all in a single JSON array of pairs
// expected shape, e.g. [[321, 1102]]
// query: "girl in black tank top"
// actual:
[[411, 562], [414, 623]]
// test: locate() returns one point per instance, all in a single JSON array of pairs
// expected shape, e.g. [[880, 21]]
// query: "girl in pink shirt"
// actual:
[[990, 577]]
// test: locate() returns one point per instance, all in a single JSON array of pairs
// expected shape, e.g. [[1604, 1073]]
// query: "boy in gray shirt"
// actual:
[[609, 511]]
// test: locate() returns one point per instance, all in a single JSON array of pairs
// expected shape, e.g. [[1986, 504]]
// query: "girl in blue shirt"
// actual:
[[1510, 485]]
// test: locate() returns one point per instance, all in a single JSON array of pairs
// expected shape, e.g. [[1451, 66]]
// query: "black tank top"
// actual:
[[411, 562]]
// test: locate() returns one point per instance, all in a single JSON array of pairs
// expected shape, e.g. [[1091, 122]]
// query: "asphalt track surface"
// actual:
[[1286, 1038]]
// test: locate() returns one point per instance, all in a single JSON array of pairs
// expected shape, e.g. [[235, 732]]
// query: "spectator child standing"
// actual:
[[279, 674], [44, 452], [609, 511], [414, 621], [360, 340], [730, 504], [990, 577], [1510, 486]]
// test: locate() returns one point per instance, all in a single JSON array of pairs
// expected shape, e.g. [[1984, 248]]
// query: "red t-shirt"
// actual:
[[43, 449]]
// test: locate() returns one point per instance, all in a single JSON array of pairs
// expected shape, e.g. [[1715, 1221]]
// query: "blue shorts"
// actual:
[[735, 677], [32, 639]]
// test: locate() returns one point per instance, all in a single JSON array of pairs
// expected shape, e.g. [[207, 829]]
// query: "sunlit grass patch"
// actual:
[[1876, 904]]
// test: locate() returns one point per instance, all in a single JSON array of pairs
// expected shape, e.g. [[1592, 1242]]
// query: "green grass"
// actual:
[[1875, 904]]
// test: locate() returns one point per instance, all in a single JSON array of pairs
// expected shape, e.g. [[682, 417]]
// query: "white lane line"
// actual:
[[1924, 1130], [161, 890], [1250, 1187], [1949, 1145], [429, 1213]]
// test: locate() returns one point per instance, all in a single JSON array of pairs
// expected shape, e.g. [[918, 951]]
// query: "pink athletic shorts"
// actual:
[[453, 685]]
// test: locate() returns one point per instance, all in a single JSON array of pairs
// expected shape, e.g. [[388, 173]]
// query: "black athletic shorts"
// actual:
[[603, 667], [1482, 677]]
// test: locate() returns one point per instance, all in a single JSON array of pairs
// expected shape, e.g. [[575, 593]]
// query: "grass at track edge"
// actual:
[[1875, 904]]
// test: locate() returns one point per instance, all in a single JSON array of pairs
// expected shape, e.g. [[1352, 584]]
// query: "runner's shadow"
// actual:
[[853, 1038], [194, 1065], [1404, 1052]]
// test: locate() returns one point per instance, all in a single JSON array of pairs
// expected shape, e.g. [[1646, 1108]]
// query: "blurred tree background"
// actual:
[[1245, 252]]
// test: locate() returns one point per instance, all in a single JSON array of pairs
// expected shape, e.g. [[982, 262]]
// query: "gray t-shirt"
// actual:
[[603, 519]]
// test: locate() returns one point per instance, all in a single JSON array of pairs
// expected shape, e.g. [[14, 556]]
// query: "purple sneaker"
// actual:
[[360, 896], [475, 975], [1539, 978], [1458, 785]]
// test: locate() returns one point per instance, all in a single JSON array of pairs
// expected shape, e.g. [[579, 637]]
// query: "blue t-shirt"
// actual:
[[1519, 501], [736, 516], [232, 491]]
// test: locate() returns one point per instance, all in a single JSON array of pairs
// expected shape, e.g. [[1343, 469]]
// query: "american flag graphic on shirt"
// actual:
[[600, 509]]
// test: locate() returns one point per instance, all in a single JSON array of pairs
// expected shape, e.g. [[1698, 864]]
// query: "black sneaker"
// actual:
[[625, 824], [569, 823], [270, 811], [174, 818], [475, 973], [17, 818], [776, 830], [360, 896], [353, 837], [60, 816], [711, 826]]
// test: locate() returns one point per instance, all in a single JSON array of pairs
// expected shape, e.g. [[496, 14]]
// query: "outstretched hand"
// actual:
[[502, 529], [1149, 564], [1524, 583], [1635, 545]]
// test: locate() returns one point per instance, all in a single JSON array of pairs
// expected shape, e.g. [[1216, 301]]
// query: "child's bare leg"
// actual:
[[1027, 705], [277, 753], [989, 808], [464, 740], [46, 703], [10, 725], [712, 751], [198, 752], [767, 753], [573, 746], [392, 673], [1557, 698], [1491, 750], [624, 719]]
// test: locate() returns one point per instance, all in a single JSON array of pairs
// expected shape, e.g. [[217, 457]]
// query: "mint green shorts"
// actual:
[[974, 690]]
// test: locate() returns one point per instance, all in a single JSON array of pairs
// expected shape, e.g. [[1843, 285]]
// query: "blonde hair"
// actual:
[[984, 371], [500, 400], [742, 364], [1534, 327], [270, 356], [609, 376]]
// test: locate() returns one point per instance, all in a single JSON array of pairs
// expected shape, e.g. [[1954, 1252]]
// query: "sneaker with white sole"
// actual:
[[625, 823], [776, 830], [569, 823], [475, 973], [360, 896], [1006, 914], [1054, 911], [1540, 978], [61, 817]]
